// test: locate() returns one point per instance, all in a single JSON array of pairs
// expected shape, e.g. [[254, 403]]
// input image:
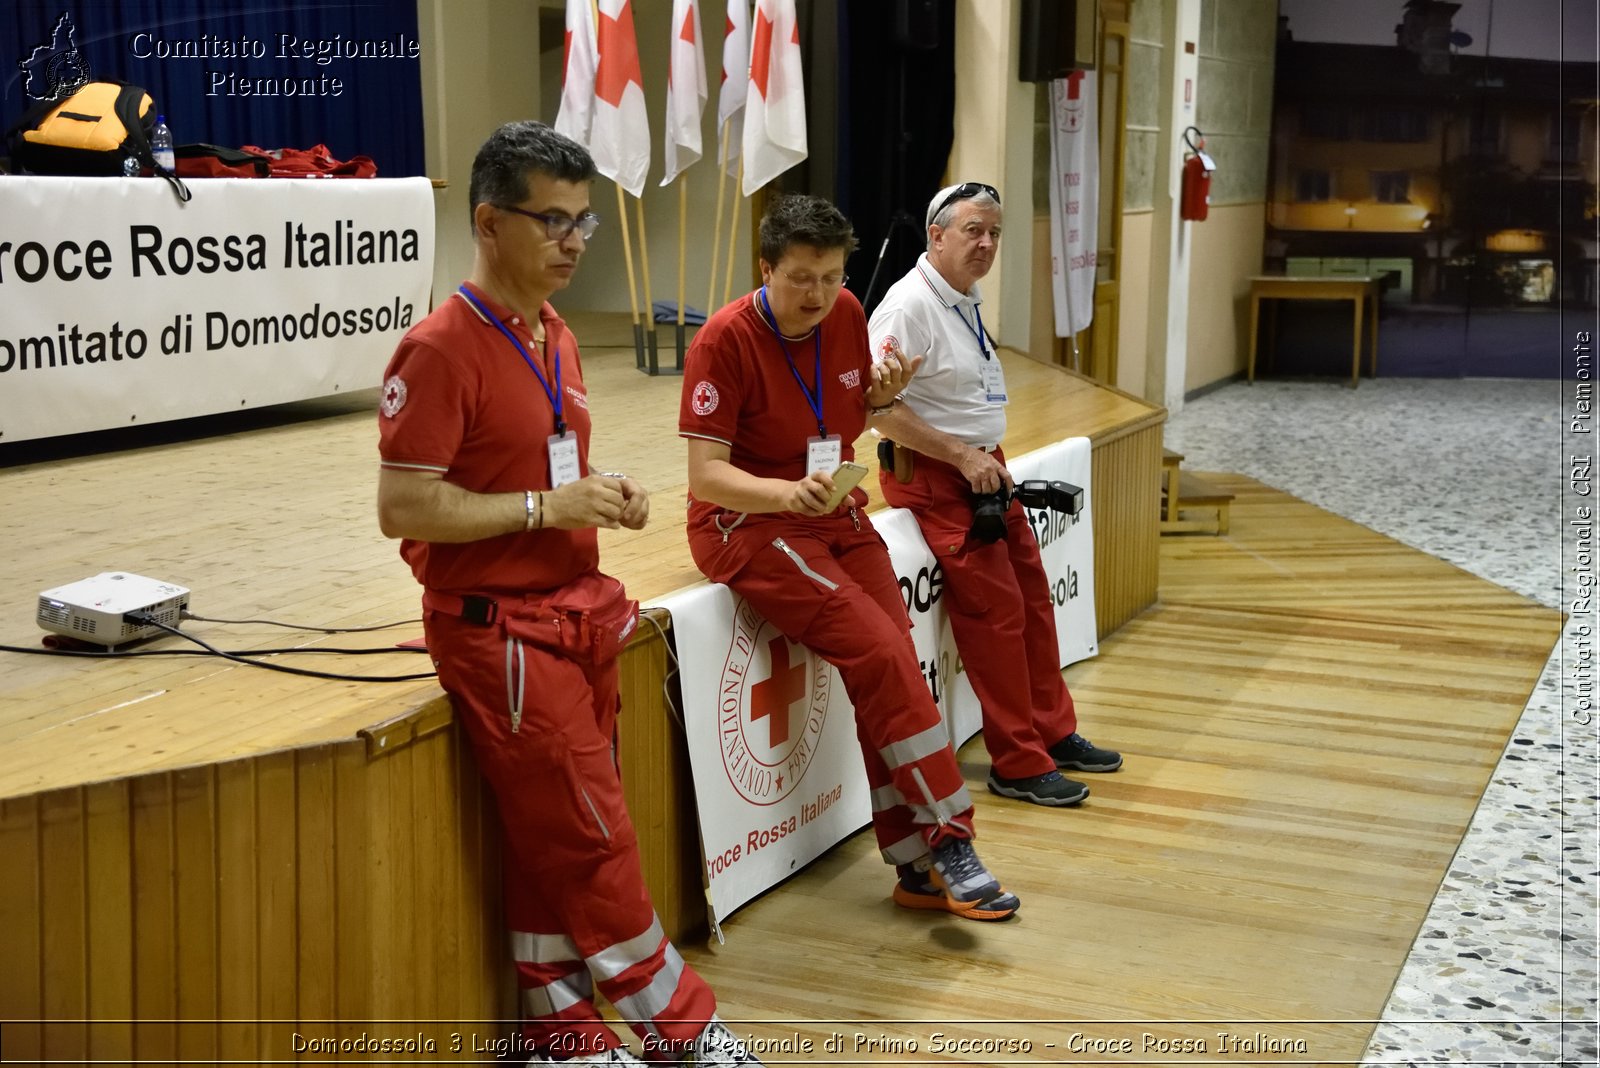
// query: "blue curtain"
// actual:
[[356, 105]]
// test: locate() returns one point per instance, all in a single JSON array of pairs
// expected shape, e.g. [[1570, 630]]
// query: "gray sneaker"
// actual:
[[1052, 788], [1080, 754]]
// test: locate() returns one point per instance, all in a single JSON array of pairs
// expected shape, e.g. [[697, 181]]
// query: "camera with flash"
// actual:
[[989, 509]]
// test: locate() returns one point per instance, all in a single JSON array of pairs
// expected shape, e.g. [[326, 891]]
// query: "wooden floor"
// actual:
[[1309, 718], [1309, 715]]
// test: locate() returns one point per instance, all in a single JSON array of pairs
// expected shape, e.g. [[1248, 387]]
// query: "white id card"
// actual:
[[823, 454], [563, 459], [994, 382]]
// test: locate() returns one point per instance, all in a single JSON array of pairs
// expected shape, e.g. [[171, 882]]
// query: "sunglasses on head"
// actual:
[[964, 191]]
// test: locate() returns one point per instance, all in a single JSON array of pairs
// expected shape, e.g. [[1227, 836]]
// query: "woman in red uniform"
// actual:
[[776, 388]]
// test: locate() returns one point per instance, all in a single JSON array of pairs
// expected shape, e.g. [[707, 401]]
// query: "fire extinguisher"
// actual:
[[1198, 168]]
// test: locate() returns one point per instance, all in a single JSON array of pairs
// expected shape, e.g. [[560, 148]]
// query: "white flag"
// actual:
[[620, 139], [686, 89], [1074, 199], [577, 74], [735, 80], [775, 107]]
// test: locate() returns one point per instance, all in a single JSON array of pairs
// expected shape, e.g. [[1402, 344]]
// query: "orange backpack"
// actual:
[[93, 131]]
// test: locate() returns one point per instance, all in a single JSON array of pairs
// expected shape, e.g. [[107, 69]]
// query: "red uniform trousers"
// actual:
[[543, 731], [998, 598], [827, 584]]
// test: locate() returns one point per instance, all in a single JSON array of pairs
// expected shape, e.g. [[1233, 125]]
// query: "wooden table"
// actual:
[[1358, 291]]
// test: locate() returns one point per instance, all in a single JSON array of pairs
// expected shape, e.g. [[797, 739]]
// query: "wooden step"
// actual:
[[1194, 496], [1192, 489]]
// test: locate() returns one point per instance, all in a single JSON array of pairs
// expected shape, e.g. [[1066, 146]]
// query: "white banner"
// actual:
[[1074, 199], [772, 743], [122, 306]]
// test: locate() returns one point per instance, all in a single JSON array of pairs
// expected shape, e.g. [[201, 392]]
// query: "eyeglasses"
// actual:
[[811, 281], [964, 191], [557, 227]]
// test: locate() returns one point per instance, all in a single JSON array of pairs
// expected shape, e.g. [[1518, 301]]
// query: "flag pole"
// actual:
[[733, 231], [683, 255], [644, 281], [716, 232], [633, 293]]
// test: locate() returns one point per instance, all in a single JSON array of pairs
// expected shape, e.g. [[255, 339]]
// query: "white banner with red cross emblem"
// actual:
[[1074, 199], [777, 770]]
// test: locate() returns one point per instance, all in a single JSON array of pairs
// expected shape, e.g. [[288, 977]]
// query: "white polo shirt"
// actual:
[[927, 317]]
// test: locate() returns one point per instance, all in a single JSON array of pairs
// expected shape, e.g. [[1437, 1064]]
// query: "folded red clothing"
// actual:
[[313, 162]]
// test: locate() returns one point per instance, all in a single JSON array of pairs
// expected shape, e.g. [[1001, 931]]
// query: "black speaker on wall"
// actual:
[[1058, 37]]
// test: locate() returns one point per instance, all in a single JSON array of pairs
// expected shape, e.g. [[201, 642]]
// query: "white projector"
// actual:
[[92, 609]]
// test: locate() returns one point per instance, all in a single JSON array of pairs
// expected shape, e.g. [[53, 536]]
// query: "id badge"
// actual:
[[823, 454], [563, 459], [994, 382]]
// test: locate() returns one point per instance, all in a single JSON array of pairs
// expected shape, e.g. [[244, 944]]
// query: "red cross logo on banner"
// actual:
[[772, 699], [1072, 106], [764, 764]]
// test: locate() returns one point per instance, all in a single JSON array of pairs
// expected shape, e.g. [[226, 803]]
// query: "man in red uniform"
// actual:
[[776, 388], [952, 418], [484, 438]]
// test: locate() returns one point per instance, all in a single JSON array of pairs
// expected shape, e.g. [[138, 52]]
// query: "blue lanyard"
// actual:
[[979, 333], [812, 398], [555, 397]]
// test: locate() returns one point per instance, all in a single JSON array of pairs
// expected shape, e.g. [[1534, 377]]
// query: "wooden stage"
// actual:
[[1309, 717], [196, 840]]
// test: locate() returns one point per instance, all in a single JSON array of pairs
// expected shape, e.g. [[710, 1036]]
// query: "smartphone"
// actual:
[[846, 477]]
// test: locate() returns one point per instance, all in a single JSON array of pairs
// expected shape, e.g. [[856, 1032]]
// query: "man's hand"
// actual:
[[635, 505], [983, 472], [596, 501], [890, 376], [810, 494]]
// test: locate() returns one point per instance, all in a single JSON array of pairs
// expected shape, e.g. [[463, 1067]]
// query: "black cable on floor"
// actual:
[[146, 620]]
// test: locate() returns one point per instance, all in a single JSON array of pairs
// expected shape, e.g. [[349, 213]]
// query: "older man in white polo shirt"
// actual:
[[947, 431]]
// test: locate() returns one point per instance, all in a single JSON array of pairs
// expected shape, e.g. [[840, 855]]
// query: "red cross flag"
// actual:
[[775, 107], [577, 73], [686, 89], [735, 80], [620, 138]]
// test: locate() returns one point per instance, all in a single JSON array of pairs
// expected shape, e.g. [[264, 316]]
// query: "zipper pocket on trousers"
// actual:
[[595, 812], [805, 568], [516, 674]]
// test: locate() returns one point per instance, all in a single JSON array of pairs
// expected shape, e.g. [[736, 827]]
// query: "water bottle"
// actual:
[[161, 146]]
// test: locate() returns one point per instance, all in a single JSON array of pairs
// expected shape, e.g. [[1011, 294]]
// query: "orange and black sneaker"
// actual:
[[952, 879]]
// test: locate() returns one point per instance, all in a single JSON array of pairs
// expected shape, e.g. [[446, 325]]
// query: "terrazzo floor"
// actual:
[[1503, 970]]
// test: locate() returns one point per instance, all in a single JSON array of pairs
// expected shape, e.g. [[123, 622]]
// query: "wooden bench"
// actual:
[[1183, 494]]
